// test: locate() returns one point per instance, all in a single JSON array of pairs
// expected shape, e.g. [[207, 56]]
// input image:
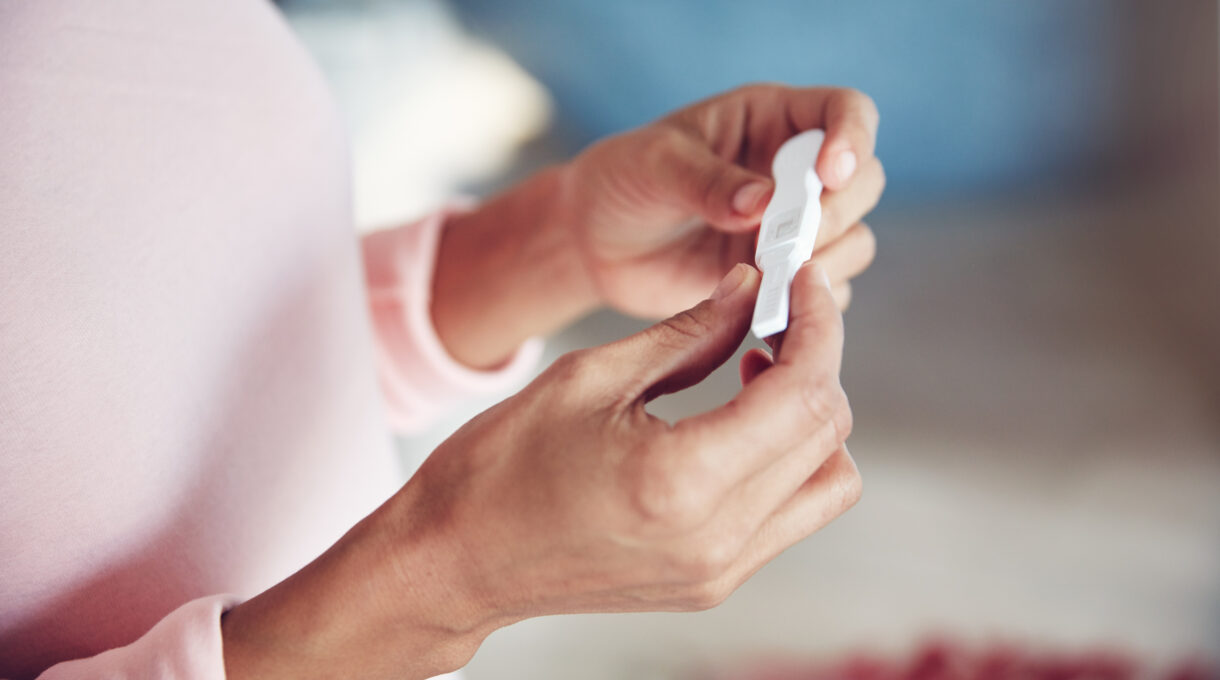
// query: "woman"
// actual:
[[194, 457]]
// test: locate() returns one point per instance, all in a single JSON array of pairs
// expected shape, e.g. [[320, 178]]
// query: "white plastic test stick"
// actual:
[[788, 230]]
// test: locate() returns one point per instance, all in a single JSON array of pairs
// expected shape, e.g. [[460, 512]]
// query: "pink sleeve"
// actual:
[[419, 379], [185, 645]]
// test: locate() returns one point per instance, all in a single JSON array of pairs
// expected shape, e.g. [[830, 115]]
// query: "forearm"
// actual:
[[506, 272]]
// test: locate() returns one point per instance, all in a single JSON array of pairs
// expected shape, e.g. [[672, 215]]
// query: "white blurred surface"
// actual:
[[429, 109]]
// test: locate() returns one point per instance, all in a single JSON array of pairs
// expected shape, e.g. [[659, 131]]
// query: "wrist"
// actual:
[[386, 600], [508, 271]]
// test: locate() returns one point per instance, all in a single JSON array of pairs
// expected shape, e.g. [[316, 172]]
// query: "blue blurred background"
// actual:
[[975, 96]]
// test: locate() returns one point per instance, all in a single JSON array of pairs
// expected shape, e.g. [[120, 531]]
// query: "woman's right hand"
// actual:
[[570, 497]]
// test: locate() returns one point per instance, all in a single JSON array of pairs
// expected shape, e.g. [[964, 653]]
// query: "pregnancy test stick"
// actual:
[[788, 230]]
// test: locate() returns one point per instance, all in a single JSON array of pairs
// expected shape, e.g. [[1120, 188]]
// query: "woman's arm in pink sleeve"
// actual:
[[185, 645], [459, 299]]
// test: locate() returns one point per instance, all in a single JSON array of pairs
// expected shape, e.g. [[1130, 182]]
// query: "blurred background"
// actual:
[[1033, 360]]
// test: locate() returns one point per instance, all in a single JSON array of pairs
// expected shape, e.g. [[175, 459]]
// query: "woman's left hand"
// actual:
[[648, 221], [660, 213]]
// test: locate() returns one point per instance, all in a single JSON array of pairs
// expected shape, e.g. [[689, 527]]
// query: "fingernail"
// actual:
[[730, 283], [845, 165], [748, 198]]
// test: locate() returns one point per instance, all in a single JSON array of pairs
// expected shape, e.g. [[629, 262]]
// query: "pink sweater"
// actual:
[[189, 403]]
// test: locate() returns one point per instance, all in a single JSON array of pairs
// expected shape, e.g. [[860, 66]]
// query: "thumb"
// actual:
[[730, 197], [683, 349]]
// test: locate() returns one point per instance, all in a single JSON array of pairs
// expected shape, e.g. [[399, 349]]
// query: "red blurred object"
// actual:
[[946, 661]]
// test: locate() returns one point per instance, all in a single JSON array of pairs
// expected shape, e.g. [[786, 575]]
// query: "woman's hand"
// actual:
[[662, 212], [649, 220], [570, 497]]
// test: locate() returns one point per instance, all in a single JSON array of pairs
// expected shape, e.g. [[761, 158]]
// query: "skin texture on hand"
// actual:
[[648, 221], [662, 212], [570, 497]]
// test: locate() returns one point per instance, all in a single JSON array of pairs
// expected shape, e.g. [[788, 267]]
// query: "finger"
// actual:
[[842, 260], [797, 399], [683, 349], [828, 493], [814, 338], [753, 363], [750, 123], [848, 256], [821, 498], [730, 197], [751, 504], [842, 209], [850, 119]]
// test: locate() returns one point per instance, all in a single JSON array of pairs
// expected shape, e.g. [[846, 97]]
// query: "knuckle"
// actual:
[[755, 89], [453, 658], [868, 242], [841, 418], [567, 365], [668, 502], [576, 369], [881, 178], [709, 561], [851, 488], [768, 95], [826, 403], [868, 107], [686, 325], [708, 595], [657, 145], [670, 148]]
